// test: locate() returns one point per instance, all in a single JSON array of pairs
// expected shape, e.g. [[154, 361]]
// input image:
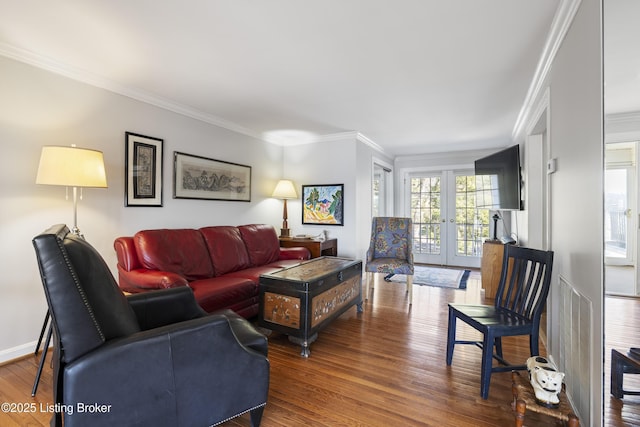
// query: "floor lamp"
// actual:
[[70, 167], [285, 190]]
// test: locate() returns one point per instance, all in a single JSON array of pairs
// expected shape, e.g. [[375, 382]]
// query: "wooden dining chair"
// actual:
[[518, 305]]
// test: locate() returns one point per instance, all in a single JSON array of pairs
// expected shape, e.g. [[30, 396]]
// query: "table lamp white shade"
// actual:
[[285, 190], [71, 167]]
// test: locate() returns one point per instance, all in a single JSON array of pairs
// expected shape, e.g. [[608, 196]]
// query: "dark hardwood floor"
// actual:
[[622, 330], [383, 367]]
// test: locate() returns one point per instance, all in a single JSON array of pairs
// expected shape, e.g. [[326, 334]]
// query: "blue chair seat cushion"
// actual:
[[483, 317], [389, 265]]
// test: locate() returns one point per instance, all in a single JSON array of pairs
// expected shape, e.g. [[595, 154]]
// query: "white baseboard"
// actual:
[[17, 352]]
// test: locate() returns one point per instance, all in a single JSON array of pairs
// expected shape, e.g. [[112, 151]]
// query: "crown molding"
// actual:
[[49, 64], [622, 127], [631, 117], [559, 28], [369, 142]]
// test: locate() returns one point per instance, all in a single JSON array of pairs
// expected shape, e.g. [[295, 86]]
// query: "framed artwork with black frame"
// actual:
[[197, 177], [143, 170], [323, 204]]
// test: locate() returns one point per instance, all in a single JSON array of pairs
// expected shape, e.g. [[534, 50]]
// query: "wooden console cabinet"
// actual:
[[328, 247], [491, 266]]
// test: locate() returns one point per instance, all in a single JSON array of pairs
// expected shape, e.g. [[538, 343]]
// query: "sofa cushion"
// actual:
[[181, 251], [226, 248], [224, 292], [253, 273], [262, 243]]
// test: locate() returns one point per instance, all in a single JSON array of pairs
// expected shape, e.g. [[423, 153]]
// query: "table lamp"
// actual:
[[72, 167], [285, 190]]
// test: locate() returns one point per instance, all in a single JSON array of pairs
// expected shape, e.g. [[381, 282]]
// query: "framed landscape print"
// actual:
[[197, 177], [143, 170], [323, 204]]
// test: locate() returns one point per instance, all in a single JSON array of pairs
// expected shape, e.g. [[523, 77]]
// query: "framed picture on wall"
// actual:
[[323, 204], [143, 170], [197, 177]]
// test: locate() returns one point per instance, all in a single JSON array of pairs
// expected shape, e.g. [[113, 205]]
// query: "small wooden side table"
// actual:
[[318, 248], [525, 398], [621, 364]]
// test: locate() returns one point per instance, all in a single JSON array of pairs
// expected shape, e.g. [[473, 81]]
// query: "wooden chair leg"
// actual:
[[487, 361], [517, 405], [410, 288], [534, 343], [498, 345], [617, 374], [521, 408], [256, 416], [573, 421], [451, 336]]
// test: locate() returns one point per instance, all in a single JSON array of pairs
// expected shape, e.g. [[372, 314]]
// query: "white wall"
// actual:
[[576, 219], [324, 164], [346, 161], [41, 108]]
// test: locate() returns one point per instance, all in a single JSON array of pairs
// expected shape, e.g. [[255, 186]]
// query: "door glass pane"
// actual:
[[472, 224], [425, 214], [615, 213], [377, 184]]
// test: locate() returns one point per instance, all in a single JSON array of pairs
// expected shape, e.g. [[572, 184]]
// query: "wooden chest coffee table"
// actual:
[[299, 301]]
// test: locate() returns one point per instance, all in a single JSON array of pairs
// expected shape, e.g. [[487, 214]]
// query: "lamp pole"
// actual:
[[75, 230]]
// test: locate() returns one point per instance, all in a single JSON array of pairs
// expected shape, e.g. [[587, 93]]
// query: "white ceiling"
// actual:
[[412, 76]]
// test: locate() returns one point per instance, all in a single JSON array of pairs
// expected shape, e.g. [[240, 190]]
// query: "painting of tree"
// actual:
[[323, 204]]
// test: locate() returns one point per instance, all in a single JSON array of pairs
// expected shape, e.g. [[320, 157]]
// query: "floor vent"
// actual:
[[576, 314]]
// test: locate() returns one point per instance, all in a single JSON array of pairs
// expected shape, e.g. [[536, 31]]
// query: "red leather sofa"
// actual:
[[222, 264]]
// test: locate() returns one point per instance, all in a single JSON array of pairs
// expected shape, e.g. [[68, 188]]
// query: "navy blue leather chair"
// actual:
[[152, 359]]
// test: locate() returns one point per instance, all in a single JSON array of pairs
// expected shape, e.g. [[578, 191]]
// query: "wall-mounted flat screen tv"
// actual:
[[498, 181]]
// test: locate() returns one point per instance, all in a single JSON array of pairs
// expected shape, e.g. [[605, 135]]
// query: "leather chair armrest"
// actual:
[[141, 280], [164, 307], [294, 253], [178, 367]]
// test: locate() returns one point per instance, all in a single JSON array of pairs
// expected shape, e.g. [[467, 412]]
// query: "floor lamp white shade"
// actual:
[[72, 167]]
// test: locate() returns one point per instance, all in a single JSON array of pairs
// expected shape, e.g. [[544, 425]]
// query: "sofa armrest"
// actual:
[[164, 307], [294, 253], [126, 253], [141, 280], [178, 370]]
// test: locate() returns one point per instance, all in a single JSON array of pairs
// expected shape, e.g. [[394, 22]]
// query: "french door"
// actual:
[[447, 227], [382, 186]]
